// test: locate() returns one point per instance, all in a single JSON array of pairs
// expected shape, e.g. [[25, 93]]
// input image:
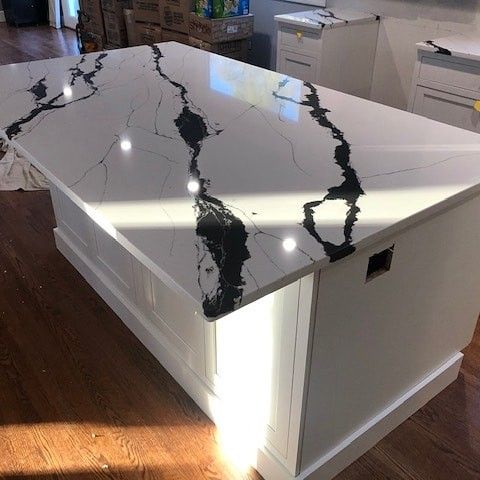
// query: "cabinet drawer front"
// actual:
[[445, 107], [301, 39], [451, 73], [298, 66]]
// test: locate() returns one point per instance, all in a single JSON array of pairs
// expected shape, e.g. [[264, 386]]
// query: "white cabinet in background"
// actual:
[[451, 108], [297, 65], [446, 83], [331, 48]]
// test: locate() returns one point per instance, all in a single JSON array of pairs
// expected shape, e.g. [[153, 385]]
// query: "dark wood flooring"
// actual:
[[35, 43], [81, 398]]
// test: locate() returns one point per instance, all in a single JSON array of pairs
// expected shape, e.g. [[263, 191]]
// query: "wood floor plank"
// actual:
[[81, 398]]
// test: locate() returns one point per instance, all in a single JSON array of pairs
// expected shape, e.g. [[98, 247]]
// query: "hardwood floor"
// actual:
[[35, 43], [81, 398]]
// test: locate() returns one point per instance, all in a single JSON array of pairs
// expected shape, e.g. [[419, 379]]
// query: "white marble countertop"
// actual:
[[226, 180], [462, 46], [326, 17]]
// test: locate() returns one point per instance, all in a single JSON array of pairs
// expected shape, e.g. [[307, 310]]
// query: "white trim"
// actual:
[[307, 306], [383, 423], [268, 466], [2, 16]]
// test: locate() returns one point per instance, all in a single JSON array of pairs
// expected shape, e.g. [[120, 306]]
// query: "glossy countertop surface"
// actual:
[[226, 180], [326, 17], [461, 46]]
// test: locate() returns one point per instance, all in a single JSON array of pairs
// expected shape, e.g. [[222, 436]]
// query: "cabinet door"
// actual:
[[115, 262], [298, 66], [73, 222], [253, 369], [180, 323], [456, 110]]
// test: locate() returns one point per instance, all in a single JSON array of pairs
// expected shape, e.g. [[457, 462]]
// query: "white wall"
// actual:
[[404, 23]]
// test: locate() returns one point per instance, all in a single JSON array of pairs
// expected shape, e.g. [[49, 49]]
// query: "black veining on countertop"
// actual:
[[328, 15], [76, 71], [349, 190], [438, 48], [39, 90], [223, 235]]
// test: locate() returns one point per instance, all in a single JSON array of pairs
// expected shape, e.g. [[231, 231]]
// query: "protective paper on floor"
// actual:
[[16, 173]]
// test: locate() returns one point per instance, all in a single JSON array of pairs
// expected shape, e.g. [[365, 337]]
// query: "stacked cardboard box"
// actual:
[[236, 49], [175, 20], [147, 11], [174, 15], [147, 33], [229, 36], [158, 20], [114, 20], [93, 19], [147, 22]]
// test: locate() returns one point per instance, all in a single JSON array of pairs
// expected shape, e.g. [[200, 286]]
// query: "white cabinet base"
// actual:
[[332, 395], [268, 466], [340, 58], [446, 89]]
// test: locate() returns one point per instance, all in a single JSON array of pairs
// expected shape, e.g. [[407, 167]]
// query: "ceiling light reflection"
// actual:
[[289, 244], [126, 145], [193, 186]]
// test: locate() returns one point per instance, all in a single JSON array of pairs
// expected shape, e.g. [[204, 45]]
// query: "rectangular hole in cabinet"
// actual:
[[379, 263]]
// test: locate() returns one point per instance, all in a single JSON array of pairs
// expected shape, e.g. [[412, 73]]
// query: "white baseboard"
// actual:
[[2, 16], [326, 467], [384, 422]]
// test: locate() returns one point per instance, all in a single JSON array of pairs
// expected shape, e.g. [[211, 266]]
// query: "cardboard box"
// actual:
[[115, 29], [236, 49], [93, 18], [116, 6], [215, 30], [131, 27], [148, 33], [175, 14], [147, 11], [172, 36]]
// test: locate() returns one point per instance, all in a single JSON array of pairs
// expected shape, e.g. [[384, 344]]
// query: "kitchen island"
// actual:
[[303, 262]]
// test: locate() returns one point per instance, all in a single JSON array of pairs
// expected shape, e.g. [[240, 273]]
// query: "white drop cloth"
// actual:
[[16, 173]]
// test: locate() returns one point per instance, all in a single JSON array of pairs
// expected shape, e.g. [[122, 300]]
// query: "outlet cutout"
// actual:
[[379, 263]]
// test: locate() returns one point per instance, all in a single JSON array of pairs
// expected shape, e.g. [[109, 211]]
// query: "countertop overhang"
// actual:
[[326, 17], [229, 181], [466, 46]]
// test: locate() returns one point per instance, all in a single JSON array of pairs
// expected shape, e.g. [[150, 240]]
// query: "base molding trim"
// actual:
[[384, 422]]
